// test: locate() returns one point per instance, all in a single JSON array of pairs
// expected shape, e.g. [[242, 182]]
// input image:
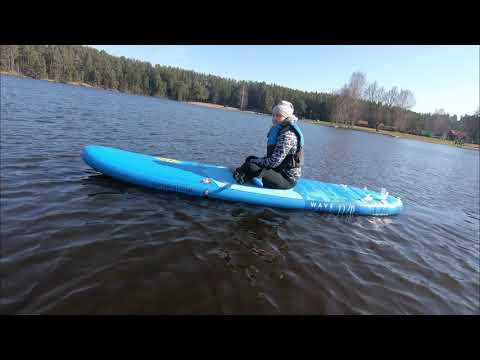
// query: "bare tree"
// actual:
[[390, 107], [357, 84], [370, 93], [369, 96], [391, 97], [381, 96], [439, 123], [8, 54], [342, 104], [404, 100], [355, 90]]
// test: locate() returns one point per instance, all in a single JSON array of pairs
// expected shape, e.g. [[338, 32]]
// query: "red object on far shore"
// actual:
[[454, 133], [362, 123]]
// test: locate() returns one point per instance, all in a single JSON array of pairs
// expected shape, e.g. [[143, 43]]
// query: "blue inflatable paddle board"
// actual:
[[217, 182]]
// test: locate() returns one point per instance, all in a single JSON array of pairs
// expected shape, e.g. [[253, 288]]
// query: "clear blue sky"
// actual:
[[439, 76]]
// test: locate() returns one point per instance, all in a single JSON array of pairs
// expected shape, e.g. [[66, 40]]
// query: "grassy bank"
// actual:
[[12, 73], [216, 106], [76, 83], [212, 106], [396, 134]]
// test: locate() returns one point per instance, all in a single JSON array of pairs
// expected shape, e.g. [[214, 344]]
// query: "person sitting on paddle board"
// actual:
[[282, 167]]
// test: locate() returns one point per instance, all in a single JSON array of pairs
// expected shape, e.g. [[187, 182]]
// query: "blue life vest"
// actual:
[[291, 160]]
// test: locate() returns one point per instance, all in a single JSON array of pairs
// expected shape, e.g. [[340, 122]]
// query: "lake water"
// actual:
[[74, 241]]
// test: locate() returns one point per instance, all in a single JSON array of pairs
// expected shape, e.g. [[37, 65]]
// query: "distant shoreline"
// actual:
[[76, 83], [394, 134], [228, 108], [212, 106], [12, 73]]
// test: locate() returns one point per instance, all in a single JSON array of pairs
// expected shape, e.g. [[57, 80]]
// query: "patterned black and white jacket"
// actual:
[[287, 143]]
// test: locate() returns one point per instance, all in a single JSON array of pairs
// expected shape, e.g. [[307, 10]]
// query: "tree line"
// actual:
[[356, 101]]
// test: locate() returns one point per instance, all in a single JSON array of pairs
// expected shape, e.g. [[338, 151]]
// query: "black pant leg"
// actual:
[[271, 179], [275, 180], [252, 169]]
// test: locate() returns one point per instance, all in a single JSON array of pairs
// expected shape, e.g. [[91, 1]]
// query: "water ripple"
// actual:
[[75, 241]]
